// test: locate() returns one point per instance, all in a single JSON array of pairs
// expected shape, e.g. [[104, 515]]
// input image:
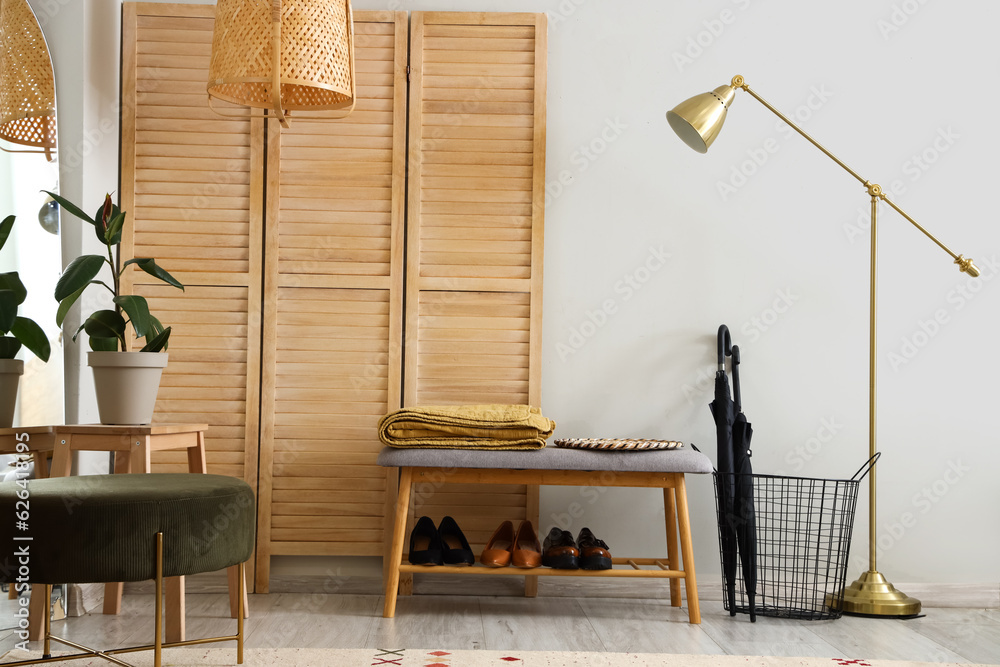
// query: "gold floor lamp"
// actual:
[[697, 122]]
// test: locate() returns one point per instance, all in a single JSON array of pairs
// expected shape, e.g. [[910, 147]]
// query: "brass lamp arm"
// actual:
[[965, 265]]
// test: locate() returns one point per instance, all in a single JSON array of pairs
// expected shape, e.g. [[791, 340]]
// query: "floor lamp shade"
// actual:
[[698, 121], [306, 46], [27, 85]]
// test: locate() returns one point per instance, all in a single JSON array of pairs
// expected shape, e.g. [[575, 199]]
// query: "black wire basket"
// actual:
[[804, 528]]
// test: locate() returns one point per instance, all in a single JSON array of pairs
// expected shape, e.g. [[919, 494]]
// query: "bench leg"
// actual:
[[406, 579], [197, 462], [173, 588], [38, 607], [398, 535], [531, 586], [41, 464], [670, 510], [62, 456], [113, 598], [687, 550], [236, 576]]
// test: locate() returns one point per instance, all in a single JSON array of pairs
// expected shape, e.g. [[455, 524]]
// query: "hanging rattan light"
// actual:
[[27, 86], [283, 55]]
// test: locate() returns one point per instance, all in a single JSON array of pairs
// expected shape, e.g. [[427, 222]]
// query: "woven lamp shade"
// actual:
[[307, 45], [27, 85]]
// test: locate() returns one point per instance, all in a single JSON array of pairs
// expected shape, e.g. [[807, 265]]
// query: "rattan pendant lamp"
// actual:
[[283, 56], [27, 85]]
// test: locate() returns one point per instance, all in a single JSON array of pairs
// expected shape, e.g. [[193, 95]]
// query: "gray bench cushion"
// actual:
[[684, 460]]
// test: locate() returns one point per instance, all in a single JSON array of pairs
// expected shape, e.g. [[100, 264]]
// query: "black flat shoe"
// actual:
[[559, 550], [455, 548], [594, 553], [425, 544]]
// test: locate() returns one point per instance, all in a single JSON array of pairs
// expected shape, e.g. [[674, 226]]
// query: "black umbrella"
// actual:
[[722, 410], [745, 516]]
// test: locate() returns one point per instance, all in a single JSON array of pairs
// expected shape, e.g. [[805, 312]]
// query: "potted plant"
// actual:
[[15, 331], [126, 380]]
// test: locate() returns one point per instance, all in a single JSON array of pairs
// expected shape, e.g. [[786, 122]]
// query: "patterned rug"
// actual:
[[461, 658]]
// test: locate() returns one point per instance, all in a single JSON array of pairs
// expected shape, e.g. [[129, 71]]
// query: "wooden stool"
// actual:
[[554, 466], [132, 447]]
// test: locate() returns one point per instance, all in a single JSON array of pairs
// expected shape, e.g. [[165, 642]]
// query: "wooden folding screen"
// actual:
[[333, 313], [476, 181], [289, 339], [187, 180]]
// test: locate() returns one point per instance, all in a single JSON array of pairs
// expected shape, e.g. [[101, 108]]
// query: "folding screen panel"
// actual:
[[188, 182], [476, 181], [333, 312]]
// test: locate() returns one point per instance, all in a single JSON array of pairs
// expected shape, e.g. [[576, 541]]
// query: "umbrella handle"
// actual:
[[725, 346], [866, 468], [737, 397]]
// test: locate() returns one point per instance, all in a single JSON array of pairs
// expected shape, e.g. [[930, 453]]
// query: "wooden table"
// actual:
[[132, 447]]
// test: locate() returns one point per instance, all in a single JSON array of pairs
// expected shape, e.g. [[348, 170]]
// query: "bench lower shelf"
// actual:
[[662, 573]]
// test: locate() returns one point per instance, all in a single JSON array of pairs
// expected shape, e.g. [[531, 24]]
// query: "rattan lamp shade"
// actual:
[[27, 85], [307, 46]]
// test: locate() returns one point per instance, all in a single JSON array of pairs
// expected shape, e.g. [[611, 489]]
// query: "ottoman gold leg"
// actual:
[[158, 602], [47, 644], [239, 613]]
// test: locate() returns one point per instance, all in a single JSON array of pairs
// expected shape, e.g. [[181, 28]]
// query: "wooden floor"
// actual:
[[553, 621]]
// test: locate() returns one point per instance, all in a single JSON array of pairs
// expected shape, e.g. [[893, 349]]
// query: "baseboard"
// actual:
[[978, 596]]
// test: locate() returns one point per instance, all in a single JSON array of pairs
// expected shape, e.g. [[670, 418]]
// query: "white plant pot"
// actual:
[[10, 373], [126, 384]]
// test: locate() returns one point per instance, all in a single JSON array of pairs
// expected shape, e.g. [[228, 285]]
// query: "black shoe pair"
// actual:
[[561, 552], [444, 545]]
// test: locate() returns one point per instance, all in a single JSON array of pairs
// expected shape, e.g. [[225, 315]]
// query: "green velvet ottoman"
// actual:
[[109, 528]]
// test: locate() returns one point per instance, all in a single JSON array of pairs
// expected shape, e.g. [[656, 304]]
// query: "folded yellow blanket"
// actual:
[[466, 426]]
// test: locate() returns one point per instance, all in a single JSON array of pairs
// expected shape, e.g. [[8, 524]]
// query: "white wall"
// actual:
[[782, 259]]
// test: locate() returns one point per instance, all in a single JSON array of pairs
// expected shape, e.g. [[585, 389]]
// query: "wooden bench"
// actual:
[[555, 466]]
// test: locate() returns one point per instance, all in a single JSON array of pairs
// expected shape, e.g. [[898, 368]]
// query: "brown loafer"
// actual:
[[527, 551], [498, 550]]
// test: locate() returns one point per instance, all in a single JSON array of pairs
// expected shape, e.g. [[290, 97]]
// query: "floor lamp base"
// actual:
[[873, 595]]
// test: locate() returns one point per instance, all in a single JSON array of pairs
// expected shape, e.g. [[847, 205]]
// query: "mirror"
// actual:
[[28, 138]]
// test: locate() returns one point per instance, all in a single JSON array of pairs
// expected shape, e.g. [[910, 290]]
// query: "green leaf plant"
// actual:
[[107, 328], [15, 330]]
